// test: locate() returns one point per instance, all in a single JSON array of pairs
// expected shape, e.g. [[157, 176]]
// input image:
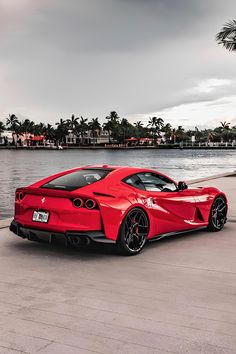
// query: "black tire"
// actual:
[[218, 214], [133, 232]]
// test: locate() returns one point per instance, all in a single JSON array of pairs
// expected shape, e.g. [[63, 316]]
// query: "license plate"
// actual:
[[40, 216]]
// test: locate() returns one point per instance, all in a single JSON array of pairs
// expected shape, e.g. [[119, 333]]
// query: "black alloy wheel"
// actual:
[[133, 232], [218, 214]]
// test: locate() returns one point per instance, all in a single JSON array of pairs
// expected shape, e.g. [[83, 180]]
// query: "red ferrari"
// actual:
[[123, 205]]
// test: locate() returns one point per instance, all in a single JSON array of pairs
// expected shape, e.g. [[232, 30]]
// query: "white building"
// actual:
[[100, 138], [6, 137]]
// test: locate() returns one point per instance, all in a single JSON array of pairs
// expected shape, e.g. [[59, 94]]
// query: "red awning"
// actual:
[[131, 139], [37, 138], [146, 139]]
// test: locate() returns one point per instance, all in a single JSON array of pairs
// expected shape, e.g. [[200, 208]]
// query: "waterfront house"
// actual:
[[6, 137], [99, 137]]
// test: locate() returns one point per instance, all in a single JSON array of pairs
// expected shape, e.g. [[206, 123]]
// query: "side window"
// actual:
[[156, 183], [135, 181]]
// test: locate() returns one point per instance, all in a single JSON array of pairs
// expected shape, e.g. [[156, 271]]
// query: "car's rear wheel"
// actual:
[[218, 214], [133, 232]]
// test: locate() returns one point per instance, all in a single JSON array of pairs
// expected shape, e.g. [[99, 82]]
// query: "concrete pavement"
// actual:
[[177, 296]]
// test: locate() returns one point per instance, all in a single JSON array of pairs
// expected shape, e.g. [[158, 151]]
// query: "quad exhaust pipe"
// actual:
[[78, 241]]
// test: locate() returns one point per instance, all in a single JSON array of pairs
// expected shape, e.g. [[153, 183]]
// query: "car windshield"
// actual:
[[77, 179]]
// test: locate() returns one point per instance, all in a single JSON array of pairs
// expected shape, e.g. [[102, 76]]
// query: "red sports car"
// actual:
[[122, 205]]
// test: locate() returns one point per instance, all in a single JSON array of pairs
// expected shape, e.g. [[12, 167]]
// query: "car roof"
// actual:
[[120, 172]]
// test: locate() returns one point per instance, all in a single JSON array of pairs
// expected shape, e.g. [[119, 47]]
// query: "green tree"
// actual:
[[2, 127], [112, 126], [39, 129], [73, 123], [49, 132], [95, 127], [27, 126], [155, 124], [180, 134], [126, 130], [139, 130], [83, 127], [167, 129], [61, 131]]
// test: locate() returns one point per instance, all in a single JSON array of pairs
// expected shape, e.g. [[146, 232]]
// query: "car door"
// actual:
[[173, 209]]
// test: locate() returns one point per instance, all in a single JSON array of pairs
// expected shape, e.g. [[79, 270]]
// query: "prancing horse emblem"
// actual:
[[43, 200]]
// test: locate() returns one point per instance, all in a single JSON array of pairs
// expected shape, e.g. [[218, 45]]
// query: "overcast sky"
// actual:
[[138, 57]]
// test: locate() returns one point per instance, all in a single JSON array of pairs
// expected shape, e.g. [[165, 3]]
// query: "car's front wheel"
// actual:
[[218, 214], [133, 232]]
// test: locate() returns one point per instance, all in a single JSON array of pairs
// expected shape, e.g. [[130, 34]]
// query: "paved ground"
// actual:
[[177, 296]]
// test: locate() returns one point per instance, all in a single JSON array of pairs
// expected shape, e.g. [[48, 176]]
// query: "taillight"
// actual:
[[90, 204], [78, 202], [19, 196], [86, 203]]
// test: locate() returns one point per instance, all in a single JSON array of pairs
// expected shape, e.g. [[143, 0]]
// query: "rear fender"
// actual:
[[114, 212]]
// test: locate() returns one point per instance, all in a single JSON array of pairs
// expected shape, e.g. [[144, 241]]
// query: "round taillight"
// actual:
[[90, 204], [78, 202]]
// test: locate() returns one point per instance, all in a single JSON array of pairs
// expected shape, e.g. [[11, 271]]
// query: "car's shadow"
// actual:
[[94, 250]]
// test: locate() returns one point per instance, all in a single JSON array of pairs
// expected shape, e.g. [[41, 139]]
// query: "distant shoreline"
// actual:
[[160, 147]]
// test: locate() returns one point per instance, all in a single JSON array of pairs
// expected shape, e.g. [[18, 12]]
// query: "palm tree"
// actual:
[[49, 132], [113, 117], [95, 128], [224, 131], [73, 122], [140, 131], [2, 127], [112, 125], [12, 122], [62, 130], [82, 127], [156, 125], [227, 35], [138, 124], [225, 125], [28, 126], [61, 122], [152, 121], [126, 129], [180, 133], [108, 128], [167, 129]]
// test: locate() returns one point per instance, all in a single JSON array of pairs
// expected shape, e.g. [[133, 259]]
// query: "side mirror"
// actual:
[[182, 185]]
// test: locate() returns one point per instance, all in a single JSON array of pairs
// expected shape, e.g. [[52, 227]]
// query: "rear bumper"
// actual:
[[70, 237]]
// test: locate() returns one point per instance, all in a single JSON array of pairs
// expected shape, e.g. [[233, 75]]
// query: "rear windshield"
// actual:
[[77, 179]]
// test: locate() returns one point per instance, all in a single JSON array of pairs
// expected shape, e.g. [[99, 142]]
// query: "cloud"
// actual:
[[88, 57], [210, 85], [206, 114]]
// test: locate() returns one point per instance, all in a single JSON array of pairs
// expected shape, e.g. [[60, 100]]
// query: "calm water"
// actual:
[[21, 168]]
